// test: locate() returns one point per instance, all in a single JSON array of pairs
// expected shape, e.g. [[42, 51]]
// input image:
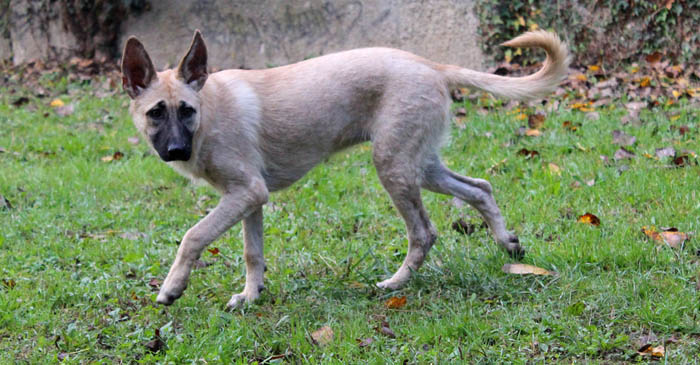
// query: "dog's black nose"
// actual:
[[178, 152]]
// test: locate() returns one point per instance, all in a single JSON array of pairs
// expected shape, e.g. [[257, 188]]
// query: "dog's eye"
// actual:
[[186, 111], [155, 113]]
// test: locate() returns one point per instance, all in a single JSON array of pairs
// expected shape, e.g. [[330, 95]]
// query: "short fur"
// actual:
[[258, 131]]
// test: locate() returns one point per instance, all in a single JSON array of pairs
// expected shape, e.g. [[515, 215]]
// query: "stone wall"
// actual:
[[263, 33]]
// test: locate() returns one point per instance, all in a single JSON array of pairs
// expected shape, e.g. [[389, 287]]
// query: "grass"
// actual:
[[84, 238]]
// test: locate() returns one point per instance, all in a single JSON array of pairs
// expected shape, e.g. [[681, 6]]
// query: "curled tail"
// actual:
[[528, 87]]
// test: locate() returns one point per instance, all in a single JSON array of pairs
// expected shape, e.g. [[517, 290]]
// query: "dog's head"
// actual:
[[166, 106]]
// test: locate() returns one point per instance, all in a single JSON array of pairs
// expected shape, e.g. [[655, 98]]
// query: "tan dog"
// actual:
[[249, 133]]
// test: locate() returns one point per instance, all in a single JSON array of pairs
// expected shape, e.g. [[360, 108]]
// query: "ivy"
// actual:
[[603, 32]]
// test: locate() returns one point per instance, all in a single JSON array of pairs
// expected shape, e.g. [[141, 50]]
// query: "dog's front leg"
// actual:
[[235, 205], [254, 260]]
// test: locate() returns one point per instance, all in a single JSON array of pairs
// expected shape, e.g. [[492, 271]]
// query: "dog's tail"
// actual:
[[529, 87]]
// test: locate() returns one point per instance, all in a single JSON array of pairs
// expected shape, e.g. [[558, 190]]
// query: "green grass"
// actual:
[[84, 238]]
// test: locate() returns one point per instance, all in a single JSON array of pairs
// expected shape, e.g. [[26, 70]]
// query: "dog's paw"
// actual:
[[389, 284], [166, 297], [170, 291], [246, 297], [515, 250]]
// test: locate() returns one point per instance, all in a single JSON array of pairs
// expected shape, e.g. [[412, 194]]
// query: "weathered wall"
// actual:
[[261, 33], [36, 31], [246, 33]]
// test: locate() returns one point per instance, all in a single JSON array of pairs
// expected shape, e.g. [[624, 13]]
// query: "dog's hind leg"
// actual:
[[477, 193], [398, 168], [254, 260]]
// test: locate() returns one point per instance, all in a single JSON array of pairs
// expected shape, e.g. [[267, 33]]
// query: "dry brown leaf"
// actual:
[[649, 350], [154, 283], [665, 152], [524, 269], [570, 126], [533, 133], [463, 227], [589, 218], [622, 154], [536, 121], [670, 236], [623, 139], [56, 103], [364, 342], [528, 153], [395, 302], [654, 57], [157, 344], [322, 336], [554, 168]]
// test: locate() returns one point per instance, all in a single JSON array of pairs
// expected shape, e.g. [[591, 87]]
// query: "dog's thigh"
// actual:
[[398, 156]]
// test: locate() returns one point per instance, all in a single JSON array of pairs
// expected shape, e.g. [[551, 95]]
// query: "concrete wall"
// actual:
[[263, 33]]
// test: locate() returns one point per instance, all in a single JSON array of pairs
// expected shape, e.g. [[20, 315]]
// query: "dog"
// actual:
[[252, 132]]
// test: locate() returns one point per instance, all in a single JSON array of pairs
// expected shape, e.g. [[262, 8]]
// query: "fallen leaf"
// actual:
[[55, 103], [623, 139], [554, 169], [570, 126], [214, 251], [622, 154], [395, 302], [665, 152], [463, 227], [654, 57], [157, 344], [533, 133], [681, 161], [649, 350], [386, 330], [364, 342], [644, 81], [589, 218], [9, 283], [322, 336], [113, 157], [536, 121], [20, 101], [670, 236], [528, 153], [65, 110], [593, 68], [155, 283], [524, 269]]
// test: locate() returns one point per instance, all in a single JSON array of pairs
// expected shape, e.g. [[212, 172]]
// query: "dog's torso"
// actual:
[[292, 117]]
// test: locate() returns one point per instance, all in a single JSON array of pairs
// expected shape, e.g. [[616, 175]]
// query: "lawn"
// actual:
[[88, 234]]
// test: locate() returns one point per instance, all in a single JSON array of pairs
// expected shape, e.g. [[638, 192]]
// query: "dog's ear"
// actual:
[[137, 68], [193, 67]]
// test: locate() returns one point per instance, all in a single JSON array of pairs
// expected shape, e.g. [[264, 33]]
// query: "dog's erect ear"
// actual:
[[193, 67], [137, 68]]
